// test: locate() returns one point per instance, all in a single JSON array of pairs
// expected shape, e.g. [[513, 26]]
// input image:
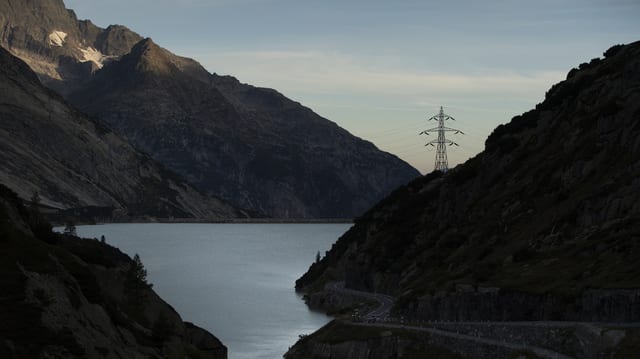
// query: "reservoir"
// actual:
[[235, 280]]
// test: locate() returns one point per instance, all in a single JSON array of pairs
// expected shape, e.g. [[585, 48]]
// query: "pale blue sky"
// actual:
[[381, 68]]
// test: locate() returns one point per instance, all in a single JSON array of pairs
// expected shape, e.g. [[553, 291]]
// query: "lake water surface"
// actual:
[[235, 280]]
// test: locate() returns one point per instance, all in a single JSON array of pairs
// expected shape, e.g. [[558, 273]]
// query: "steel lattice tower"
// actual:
[[441, 142]]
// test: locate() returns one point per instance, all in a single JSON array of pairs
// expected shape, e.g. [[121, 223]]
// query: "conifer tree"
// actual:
[[136, 284]]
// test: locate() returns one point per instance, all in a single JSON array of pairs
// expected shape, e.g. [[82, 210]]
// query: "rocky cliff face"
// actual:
[[65, 297], [549, 208], [72, 161], [63, 50], [251, 146]]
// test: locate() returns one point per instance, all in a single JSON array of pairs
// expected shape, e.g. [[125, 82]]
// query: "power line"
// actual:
[[442, 164]]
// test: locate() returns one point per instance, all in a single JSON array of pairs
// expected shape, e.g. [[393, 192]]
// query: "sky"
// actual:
[[381, 69]]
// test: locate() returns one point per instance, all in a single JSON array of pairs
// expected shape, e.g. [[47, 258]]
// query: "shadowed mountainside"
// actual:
[[66, 297], [545, 216], [73, 161], [251, 146]]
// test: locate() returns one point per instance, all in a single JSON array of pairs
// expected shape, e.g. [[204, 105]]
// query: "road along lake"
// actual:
[[235, 280]]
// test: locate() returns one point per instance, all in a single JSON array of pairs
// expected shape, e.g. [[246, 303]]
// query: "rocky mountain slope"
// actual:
[[65, 297], [72, 161], [542, 225], [61, 49], [251, 146]]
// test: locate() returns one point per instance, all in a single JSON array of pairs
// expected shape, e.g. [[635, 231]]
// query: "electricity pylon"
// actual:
[[441, 149]]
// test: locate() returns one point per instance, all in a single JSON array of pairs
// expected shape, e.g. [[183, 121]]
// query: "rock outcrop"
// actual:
[[66, 297], [251, 146], [547, 216], [71, 160]]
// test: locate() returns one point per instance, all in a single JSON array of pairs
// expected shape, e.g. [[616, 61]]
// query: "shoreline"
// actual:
[[221, 221], [102, 215]]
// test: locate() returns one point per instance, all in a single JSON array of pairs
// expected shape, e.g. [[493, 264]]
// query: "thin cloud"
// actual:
[[319, 72]]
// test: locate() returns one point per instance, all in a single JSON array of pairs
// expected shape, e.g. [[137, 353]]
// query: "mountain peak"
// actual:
[[146, 43], [151, 58], [117, 40]]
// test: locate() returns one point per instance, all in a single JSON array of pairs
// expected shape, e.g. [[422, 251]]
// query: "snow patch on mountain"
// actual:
[[95, 56], [57, 38]]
